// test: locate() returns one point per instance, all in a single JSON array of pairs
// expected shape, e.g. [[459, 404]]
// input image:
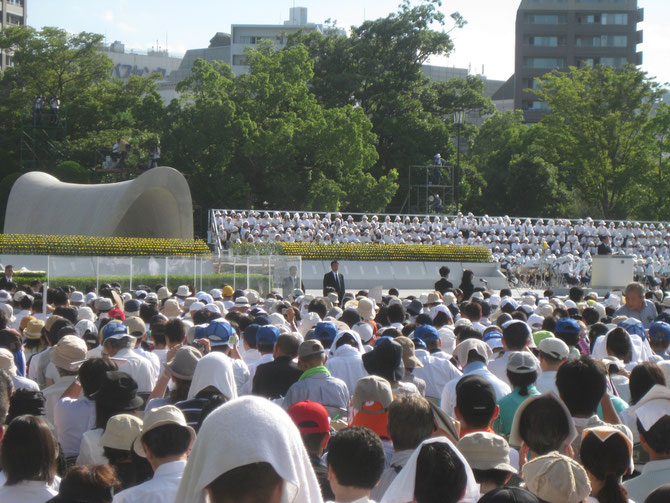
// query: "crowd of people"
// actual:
[[525, 249], [232, 396]]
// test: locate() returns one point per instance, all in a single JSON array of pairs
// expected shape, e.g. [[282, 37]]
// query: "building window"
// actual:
[[602, 41], [545, 41], [533, 84], [546, 18], [250, 39], [587, 62], [12, 19], [547, 63], [612, 18], [239, 60], [614, 62], [16, 2], [535, 105]]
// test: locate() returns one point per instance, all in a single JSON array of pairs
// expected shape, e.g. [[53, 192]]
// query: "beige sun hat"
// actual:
[[161, 416], [121, 431], [69, 353]]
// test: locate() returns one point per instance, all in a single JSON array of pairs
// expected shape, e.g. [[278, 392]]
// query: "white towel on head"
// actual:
[[401, 489], [641, 351], [244, 431], [214, 369]]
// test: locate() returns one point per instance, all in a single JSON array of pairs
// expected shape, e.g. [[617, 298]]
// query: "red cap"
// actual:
[[313, 412], [117, 314]]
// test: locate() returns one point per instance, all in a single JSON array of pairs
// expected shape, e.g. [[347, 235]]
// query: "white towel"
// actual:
[[214, 369], [401, 489], [249, 430]]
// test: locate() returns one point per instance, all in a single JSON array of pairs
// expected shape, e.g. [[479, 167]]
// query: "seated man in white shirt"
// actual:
[[165, 441], [119, 344], [355, 464]]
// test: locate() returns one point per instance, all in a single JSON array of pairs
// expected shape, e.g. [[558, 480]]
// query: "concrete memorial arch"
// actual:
[[155, 204]]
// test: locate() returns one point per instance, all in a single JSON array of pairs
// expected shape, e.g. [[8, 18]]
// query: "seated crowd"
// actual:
[[559, 246], [234, 396]]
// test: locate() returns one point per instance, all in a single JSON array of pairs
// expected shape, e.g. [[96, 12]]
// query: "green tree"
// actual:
[[657, 200], [95, 109], [378, 68], [263, 139], [597, 130]]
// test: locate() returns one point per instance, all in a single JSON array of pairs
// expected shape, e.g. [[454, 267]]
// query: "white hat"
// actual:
[[9, 311], [90, 297], [216, 293], [213, 308], [196, 306], [535, 321], [5, 296], [554, 347], [7, 362], [183, 291], [84, 326], [242, 302], [653, 406], [86, 313], [77, 297]]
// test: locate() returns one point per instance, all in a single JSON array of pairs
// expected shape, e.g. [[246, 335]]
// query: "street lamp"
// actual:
[[459, 120]]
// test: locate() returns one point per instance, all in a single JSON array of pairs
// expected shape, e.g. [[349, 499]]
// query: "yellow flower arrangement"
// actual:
[[40, 244]]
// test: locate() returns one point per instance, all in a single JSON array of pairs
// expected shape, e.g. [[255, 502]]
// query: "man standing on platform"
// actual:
[[334, 279]]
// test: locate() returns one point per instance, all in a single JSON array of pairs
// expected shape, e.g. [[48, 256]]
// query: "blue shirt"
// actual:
[[322, 388]]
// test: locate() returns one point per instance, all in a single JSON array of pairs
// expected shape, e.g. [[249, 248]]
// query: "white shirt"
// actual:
[[162, 488], [73, 418], [25, 383], [346, 364], [19, 316], [138, 367], [27, 491], [90, 451], [53, 394], [546, 381], [654, 475], [246, 389], [436, 372]]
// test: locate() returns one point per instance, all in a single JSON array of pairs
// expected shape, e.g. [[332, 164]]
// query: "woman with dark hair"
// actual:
[[88, 484], [28, 455], [466, 286], [606, 455]]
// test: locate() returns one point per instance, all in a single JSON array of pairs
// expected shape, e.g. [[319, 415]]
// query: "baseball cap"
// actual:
[[426, 333], [135, 325], [372, 389], [475, 395], [132, 307], [114, 330], [554, 347], [567, 326], [161, 416], [267, 335], [365, 330], [310, 417], [521, 362], [556, 478], [484, 450], [217, 331], [325, 331], [309, 348], [633, 326], [660, 330], [117, 314]]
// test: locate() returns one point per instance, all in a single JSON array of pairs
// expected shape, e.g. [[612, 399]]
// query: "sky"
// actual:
[[485, 43]]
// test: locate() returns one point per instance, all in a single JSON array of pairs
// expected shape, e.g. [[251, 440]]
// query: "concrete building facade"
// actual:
[[12, 13], [558, 34]]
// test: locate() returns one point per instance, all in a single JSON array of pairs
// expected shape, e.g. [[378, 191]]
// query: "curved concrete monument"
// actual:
[[155, 204]]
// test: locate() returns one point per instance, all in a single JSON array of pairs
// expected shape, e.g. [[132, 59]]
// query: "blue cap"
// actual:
[[325, 331], [114, 330], [426, 333], [218, 332], [267, 335], [633, 326], [419, 343], [660, 330], [492, 335], [132, 306], [567, 326]]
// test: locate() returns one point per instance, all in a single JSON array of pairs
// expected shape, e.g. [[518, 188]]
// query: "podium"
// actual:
[[610, 272]]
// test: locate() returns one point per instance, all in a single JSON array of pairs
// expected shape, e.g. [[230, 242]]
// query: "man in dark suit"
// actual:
[[443, 284], [273, 379], [7, 281], [604, 246], [334, 279]]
